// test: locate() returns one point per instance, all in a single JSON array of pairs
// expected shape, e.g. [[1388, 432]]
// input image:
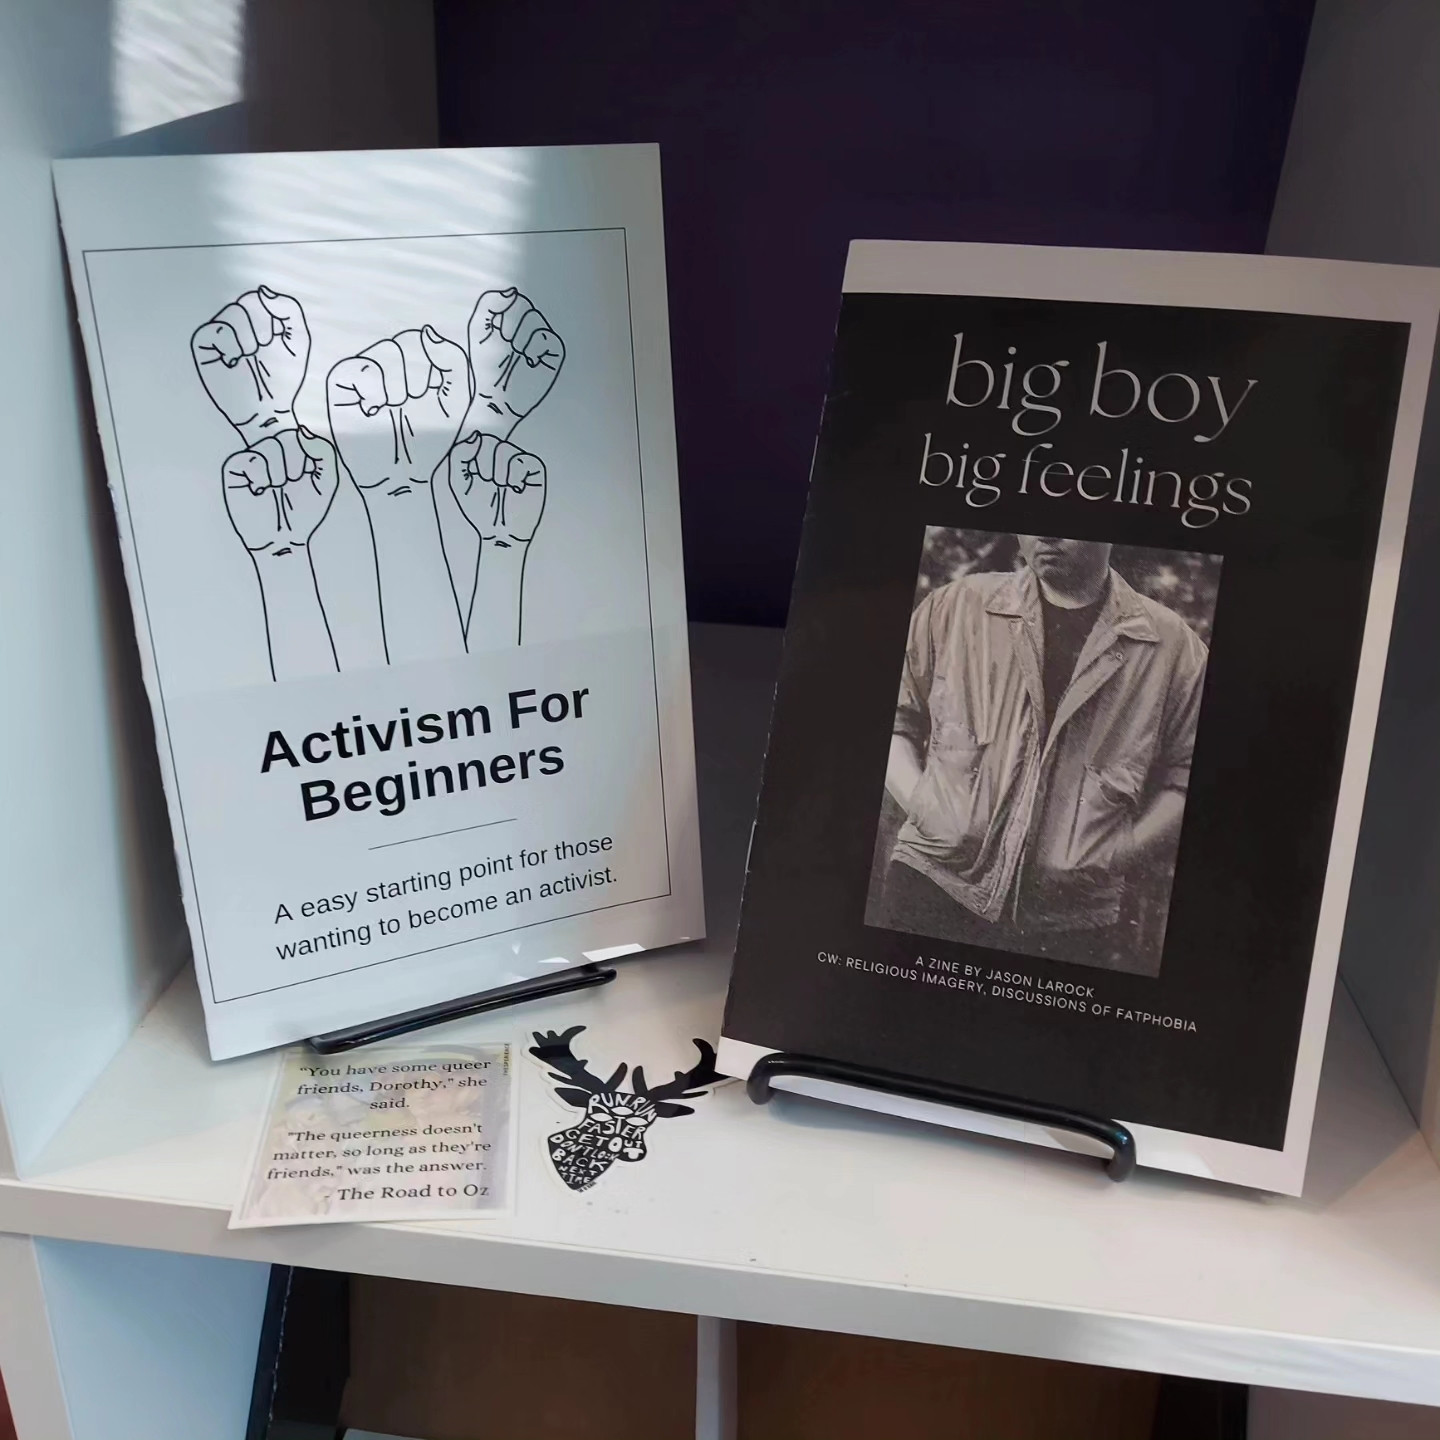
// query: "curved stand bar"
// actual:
[[541, 988], [1109, 1132]]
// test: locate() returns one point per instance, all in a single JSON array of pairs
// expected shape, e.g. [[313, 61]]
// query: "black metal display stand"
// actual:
[[1057, 1117], [583, 977]]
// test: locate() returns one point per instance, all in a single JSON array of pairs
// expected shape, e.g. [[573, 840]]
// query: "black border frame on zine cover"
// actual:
[[1315, 442]]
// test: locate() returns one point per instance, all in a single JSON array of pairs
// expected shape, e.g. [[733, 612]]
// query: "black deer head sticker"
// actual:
[[615, 1120]]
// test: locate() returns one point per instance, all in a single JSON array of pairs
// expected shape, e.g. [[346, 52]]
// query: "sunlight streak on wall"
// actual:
[[173, 58]]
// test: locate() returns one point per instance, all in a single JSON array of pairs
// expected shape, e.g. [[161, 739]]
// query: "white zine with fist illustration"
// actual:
[[390, 441]]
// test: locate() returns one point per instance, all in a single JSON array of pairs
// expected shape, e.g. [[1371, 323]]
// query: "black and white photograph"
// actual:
[[1039, 765]]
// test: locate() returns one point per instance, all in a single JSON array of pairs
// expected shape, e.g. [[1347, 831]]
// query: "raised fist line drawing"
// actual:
[[251, 358], [515, 357], [485, 473], [279, 490], [451, 520], [395, 408], [277, 493], [501, 492], [394, 411]]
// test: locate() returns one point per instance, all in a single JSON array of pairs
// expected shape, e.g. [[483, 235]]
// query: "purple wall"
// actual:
[[789, 127]]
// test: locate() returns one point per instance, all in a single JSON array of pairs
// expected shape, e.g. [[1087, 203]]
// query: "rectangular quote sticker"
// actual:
[[396, 1132]]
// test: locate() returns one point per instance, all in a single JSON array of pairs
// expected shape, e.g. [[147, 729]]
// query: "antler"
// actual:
[[683, 1086], [554, 1050]]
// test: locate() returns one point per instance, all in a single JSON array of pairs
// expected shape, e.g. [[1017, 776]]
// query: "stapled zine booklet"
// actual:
[[1083, 662], [391, 446]]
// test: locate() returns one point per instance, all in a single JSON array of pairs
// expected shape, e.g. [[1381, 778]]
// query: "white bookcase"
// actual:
[[128, 1309], [1360, 184]]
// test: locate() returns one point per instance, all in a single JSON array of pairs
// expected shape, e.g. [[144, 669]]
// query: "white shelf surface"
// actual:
[[801, 1213]]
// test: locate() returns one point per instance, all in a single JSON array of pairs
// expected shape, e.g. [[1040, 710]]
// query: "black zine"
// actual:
[[1310, 439]]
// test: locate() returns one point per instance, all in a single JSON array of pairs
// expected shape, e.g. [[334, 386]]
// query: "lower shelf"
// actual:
[[436, 1362]]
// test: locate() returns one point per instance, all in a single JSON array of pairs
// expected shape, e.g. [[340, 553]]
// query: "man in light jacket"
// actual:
[[1041, 755]]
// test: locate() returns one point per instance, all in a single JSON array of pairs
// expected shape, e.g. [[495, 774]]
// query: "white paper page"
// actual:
[[391, 446]]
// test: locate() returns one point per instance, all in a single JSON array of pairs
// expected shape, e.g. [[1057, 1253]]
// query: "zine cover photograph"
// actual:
[[1108, 645], [1084, 655], [390, 442]]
